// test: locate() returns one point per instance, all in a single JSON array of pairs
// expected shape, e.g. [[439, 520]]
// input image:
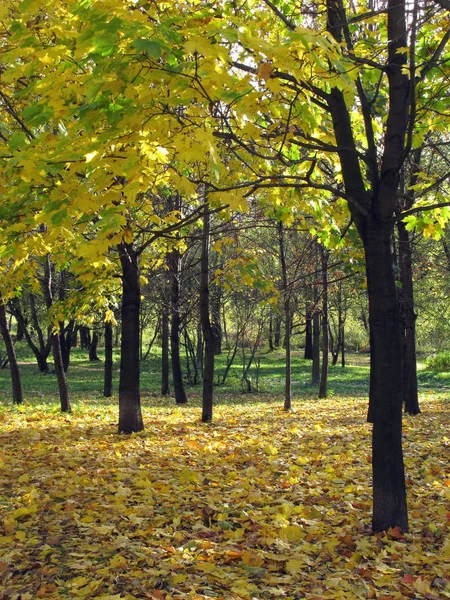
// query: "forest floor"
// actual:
[[260, 504]]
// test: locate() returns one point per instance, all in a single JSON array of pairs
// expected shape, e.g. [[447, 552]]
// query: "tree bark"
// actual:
[[93, 356], [324, 371], [130, 415], [386, 381], [16, 383], [56, 341], [316, 331], [165, 385], [108, 368], [308, 328], [207, 329], [410, 390], [177, 374], [287, 316]]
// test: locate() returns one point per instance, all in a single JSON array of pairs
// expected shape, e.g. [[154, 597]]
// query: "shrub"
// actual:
[[439, 361]]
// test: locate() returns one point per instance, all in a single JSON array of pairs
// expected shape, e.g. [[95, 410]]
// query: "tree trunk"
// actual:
[[386, 381], [93, 356], [216, 310], [165, 386], [108, 368], [324, 372], [208, 333], [277, 332], [60, 374], [316, 331], [130, 416], [43, 351], [287, 317], [308, 333], [271, 330], [56, 341], [177, 374], [85, 338], [66, 338], [410, 391], [13, 366]]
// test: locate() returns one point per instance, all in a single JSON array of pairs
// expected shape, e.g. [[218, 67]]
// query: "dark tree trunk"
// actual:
[[343, 347], [93, 346], [316, 330], [216, 310], [165, 385], [41, 353], [271, 331], [277, 331], [372, 212], [108, 369], [130, 416], [20, 336], [287, 317], [56, 341], [386, 381], [85, 338], [60, 374], [324, 371], [74, 338], [207, 329], [174, 260], [308, 333], [11, 353], [410, 391], [66, 339]]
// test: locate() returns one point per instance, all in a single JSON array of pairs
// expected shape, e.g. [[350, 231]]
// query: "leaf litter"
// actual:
[[261, 504]]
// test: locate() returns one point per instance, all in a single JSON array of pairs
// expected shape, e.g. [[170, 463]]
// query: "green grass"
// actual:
[[85, 378]]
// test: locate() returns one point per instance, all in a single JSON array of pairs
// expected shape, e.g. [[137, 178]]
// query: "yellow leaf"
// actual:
[[24, 512], [206, 567], [295, 566], [265, 70], [252, 559], [292, 533], [118, 562], [188, 476]]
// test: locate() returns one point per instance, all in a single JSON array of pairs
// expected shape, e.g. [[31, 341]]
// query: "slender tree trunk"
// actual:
[[386, 380], [324, 372], [56, 341], [11, 353], [410, 391], [208, 333], [343, 346], [271, 330], [66, 337], [108, 369], [85, 338], [316, 331], [287, 317], [130, 416], [93, 356], [165, 386], [177, 374], [216, 310], [277, 331], [308, 333]]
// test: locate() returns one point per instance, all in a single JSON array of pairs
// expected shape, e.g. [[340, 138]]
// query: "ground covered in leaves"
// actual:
[[258, 505]]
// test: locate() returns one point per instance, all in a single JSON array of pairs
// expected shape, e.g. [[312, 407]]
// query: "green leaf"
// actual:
[[151, 47]]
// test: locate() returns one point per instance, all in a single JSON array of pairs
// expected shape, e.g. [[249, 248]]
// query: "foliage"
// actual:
[[440, 361], [259, 504]]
